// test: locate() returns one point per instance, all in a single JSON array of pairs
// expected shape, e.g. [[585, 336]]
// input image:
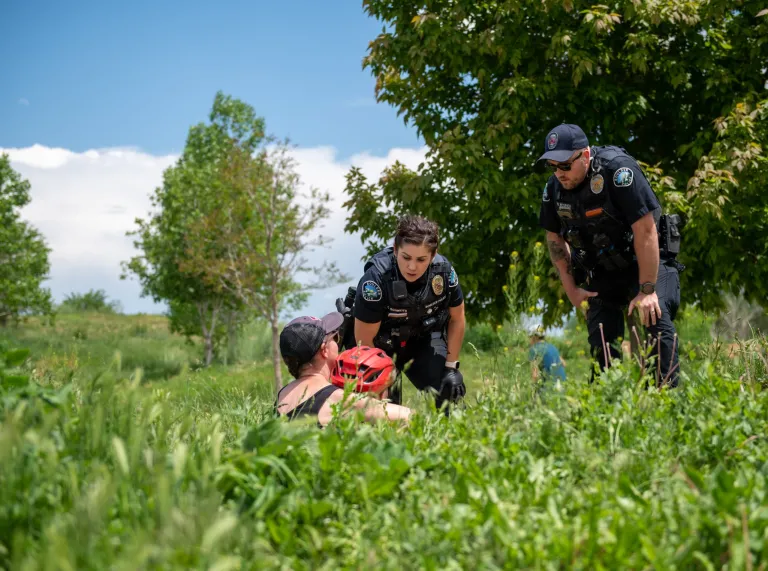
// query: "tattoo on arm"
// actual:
[[559, 252]]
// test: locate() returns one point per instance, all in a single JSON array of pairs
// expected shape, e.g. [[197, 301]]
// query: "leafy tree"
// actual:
[[93, 300], [726, 204], [253, 246], [191, 189], [483, 82], [24, 261]]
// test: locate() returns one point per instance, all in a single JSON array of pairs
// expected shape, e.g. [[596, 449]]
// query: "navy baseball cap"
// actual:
[[562, 141], [302, 338]]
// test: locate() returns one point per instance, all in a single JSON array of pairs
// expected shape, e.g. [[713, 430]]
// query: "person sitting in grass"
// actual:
[[545, 359], [309, 348]]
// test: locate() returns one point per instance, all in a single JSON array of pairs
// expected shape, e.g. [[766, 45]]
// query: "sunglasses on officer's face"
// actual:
[[565, 167]]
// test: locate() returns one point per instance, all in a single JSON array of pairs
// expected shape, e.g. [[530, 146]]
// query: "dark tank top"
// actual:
[[311, 406]]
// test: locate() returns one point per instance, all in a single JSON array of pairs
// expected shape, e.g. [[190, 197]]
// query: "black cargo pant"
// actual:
[[427, 355], [609, 307]]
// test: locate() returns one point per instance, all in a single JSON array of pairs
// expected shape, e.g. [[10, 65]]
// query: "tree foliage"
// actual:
[[483, 82], [191, 189], [727, 207], [254, 245], [24, 261]]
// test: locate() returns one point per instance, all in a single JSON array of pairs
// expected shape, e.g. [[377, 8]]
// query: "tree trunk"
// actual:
[[208, 341], [202, 309], [276, 359], [231, 336]]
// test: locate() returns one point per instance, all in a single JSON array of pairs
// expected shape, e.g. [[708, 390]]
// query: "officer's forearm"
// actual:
[[456, 327], [560, 255], [646, 242], [366, 332]]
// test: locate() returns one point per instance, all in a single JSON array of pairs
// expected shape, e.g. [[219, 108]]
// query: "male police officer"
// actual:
[[410, 304], [605, 232]]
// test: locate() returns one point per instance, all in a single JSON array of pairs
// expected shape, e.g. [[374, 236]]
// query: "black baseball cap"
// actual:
[[562, 141], [302, 338]]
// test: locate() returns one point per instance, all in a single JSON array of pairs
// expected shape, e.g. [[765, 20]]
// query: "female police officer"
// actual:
[[409, 303]]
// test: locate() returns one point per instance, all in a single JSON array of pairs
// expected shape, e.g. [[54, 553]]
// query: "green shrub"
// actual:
[[93, 300], [483, 336]]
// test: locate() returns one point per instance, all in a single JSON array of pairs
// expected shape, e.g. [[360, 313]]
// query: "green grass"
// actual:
[[121, 472], [89, 342]]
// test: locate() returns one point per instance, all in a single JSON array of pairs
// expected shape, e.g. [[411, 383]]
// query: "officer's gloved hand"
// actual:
[[346, 312], [452, 386], [344, 308]]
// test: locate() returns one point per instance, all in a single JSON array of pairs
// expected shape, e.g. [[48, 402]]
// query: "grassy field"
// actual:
[[176, 467]]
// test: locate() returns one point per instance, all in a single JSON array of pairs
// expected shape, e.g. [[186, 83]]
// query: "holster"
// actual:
[[579, 270], [347, 329], [669, 235], [579, 275]]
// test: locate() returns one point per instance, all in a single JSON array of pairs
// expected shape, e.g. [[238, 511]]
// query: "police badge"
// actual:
[[596, 184], [437, 285]]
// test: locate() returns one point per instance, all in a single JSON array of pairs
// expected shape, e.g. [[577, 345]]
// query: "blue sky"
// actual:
[[103, 74], [97, 98]]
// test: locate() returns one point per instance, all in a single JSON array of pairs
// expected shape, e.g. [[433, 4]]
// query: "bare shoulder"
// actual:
[[336, 396]]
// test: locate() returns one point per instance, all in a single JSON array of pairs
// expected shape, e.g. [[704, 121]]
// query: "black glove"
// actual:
[[344, 305], [341, 308], [452, 386]]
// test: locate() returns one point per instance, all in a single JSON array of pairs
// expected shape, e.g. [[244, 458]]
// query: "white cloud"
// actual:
[[40, 157], [319, 167], [84, 203], [24, 101]]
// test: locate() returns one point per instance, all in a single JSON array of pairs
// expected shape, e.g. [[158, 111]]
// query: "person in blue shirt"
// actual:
[[545, 359]]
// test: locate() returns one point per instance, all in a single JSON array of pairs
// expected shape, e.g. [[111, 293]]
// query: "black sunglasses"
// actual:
[[565, 167], [335, 335]]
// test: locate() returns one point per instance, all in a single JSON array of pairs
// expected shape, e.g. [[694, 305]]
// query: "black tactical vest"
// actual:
[[598, 233], [411, 314]]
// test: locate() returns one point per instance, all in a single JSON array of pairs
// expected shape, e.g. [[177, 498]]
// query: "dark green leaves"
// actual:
[[484, 82]]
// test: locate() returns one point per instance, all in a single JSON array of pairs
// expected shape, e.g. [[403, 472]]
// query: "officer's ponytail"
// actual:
[[417, 230]]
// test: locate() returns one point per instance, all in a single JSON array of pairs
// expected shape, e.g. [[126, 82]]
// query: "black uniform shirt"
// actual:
[[628, 190], [372, 306]]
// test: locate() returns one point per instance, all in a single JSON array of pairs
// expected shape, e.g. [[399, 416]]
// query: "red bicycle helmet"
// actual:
[[370, 369]]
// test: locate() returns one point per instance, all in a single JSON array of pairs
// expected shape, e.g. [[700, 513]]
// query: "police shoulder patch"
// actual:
[[596, 184], [371, 291], [623, 177], [453, 279]]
